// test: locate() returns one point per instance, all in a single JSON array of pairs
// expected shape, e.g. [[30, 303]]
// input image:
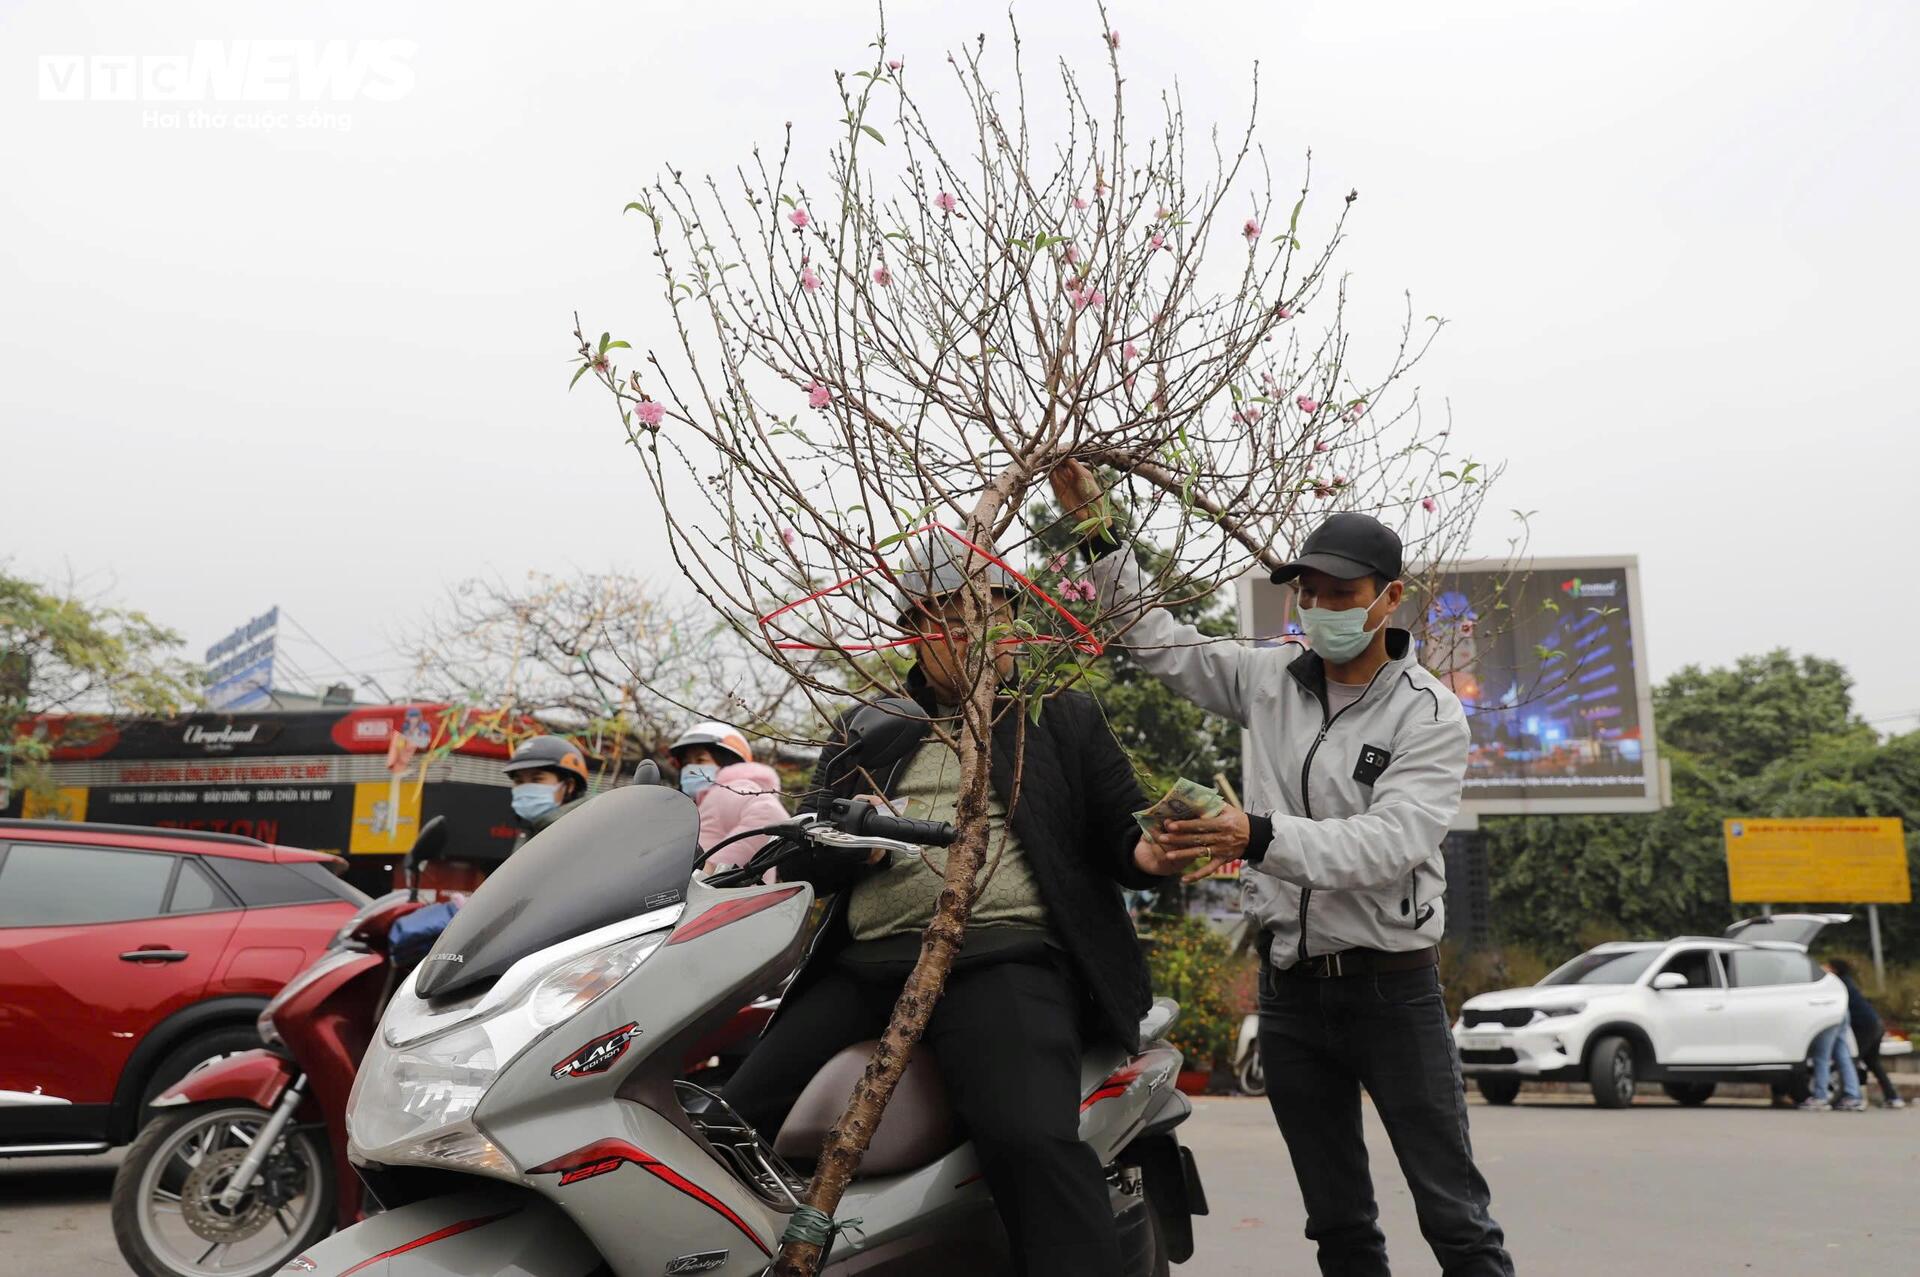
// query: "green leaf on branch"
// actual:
[[873, 133], [579, 372]]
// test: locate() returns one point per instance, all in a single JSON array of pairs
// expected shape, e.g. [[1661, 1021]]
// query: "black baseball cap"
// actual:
[[1348, 545]]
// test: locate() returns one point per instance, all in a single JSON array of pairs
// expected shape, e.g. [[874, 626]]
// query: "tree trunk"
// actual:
[[847, 1142]]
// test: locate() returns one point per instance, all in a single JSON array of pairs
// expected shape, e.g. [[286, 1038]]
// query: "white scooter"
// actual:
[[1248, 1072], [519, 1112]]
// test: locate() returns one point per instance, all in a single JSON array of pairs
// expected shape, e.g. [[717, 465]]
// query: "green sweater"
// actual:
[[900, 898]]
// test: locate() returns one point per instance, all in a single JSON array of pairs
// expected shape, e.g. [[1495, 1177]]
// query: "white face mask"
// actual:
[[1340, 634], [530, 801]]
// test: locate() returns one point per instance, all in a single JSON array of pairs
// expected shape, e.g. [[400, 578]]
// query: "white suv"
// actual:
[[1687, 1013]]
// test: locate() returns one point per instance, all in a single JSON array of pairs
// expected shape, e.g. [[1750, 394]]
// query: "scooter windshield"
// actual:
[[627, 851]]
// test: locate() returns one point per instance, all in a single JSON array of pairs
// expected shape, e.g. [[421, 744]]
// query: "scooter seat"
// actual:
[[916, 1128]]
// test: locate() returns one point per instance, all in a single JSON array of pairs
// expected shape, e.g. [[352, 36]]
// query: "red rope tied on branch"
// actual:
[[1084, 640]]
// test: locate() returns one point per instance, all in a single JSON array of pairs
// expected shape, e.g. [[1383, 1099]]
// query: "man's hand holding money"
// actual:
[[1189, 831]]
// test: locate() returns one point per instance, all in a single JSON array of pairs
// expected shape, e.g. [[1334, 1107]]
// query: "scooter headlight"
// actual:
[[426, 1071]]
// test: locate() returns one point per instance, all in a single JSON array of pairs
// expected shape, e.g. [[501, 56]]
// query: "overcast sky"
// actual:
[[326, 367]]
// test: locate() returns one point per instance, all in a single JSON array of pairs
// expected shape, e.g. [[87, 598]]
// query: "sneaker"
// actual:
[[1814, 1106], [1896, 1103], [1850, 1106]]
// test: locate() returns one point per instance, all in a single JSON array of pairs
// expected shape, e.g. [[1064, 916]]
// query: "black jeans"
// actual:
[[1006, 1038], [1321, 1040], [1870, 1061]]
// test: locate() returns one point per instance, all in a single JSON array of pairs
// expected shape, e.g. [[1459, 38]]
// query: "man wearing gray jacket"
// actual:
[[1354, 774]]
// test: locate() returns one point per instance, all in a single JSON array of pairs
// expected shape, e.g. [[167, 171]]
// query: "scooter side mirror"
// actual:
[[647, 773], [880, 732], [431, 839]]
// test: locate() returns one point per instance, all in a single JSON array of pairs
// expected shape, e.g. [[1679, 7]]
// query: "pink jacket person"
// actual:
[[742, 796]]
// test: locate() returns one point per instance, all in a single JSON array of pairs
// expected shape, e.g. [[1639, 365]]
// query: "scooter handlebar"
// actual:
[[860, 818]]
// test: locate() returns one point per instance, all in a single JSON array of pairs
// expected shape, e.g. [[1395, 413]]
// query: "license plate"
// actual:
[[1486, 1041]]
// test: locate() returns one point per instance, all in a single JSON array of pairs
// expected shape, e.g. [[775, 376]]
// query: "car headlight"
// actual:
[[1572, 1008], [426, 1071]]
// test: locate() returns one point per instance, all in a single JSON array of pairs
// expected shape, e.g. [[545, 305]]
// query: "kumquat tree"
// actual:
[[904, 347]]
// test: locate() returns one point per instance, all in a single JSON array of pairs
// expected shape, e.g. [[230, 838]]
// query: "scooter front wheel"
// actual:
[[168, 1214], [1251, 1076]]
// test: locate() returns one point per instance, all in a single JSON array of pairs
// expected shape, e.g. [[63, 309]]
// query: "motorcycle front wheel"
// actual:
[[169, 1220]]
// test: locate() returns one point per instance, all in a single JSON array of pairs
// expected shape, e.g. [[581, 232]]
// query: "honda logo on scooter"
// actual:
[[598, 1055]]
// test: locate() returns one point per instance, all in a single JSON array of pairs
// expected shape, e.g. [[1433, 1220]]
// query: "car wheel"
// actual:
[[1610, 1073], [1498, 1090], [1690, 1094], [214, 1044]]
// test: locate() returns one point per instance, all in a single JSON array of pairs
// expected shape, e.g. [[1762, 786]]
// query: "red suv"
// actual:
[[129, 955]]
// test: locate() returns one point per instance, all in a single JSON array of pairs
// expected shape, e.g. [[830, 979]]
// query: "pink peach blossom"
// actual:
[[1281, 312], [1088, 297], [1080, 202], [1321, 445], [882, 276], [1322, 489], [650, 411], [1340, 481], [1131, 379], [1429, 504], [1129, 353], [809, 280], [1156, 240], [1307, 403], [1058, 563], [1354, 410], [799, 218], [895, 64], [818, 396], [1072, 255], [945, 202], [1251, 230], [789, 536], [1113, 39]]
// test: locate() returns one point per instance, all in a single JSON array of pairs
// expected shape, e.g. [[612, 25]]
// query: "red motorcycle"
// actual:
[[244, 1164]]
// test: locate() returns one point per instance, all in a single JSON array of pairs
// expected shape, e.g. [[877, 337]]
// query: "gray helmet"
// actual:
[[936, 566], [552, 753]]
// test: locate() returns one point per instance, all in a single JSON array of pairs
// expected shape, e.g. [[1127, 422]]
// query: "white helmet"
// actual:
[[718, 737]]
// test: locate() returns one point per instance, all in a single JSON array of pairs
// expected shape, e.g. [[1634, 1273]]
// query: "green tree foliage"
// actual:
[[1764, 708], [1188, 962], [1774, 736], [60, 653]]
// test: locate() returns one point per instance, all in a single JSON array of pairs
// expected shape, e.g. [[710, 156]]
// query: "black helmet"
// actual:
[[551, 753]]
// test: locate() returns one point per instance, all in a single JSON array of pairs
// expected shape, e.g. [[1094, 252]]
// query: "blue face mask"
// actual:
[[695, 777], [530, 801], [1338, 635]]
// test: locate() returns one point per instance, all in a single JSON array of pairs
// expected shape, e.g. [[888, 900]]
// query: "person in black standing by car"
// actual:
[[1356, 771], [1867, 1031], [1049, 955]]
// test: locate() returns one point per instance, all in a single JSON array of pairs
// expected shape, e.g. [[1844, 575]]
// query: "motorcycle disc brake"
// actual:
[[200, 1201]]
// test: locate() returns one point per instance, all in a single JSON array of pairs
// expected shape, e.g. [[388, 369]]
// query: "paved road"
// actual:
[[1655, 1191]]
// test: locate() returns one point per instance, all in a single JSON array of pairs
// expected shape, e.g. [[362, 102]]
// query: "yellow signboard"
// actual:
[[1859, 861], [63, 803], [386, 818]]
